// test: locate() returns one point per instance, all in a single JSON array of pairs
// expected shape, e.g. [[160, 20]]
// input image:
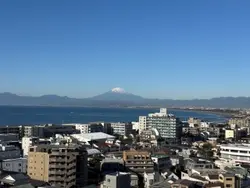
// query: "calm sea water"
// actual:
[[41, 115]]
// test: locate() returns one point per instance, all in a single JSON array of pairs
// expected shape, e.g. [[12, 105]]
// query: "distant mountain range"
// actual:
[[118, 97]]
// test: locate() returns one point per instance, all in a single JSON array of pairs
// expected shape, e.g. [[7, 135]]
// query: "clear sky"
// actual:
[[179, 49]]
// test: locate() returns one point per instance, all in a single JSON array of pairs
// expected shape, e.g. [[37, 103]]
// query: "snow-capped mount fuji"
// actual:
[[117, 94]]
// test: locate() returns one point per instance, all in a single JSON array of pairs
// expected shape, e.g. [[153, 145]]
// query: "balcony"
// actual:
[[58, 165], [70, 172], [71, 165], [58, 178], [57, 172], [140, 164], [138, 160], [56, 159]]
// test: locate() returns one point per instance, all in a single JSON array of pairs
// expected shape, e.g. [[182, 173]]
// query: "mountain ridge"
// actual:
[[120, 99]]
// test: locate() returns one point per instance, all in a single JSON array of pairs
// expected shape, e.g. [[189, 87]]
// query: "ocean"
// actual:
[[13, 115]]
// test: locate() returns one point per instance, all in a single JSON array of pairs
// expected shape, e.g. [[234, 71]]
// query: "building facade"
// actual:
[[138, 161], [12, 130], [229, 134], [9, 137], [9, 152], [60, 165], [238, 152], [161, 161], [166, 124], [117, 180], [123, 129], [15, 165], [30, 141], [142, 123]]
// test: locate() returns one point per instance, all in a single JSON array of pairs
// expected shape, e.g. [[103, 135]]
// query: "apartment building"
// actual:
[[142, 123], [238, 152], [161, 161], [48, 130], [167, 125], [12, 130], [60, 165], [240, 121], [30, 141], [9, 137], [138, 161], [123, 129]]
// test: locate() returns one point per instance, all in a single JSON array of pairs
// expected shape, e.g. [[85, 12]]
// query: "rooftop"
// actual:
[[159, 156], [9, 160], [239, 146], [92, 136]]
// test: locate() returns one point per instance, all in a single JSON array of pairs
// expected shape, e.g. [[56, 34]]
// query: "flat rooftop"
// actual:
[[236, 146], [92, 136]]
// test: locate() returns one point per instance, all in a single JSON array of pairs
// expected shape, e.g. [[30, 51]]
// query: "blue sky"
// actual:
[[159, 49]]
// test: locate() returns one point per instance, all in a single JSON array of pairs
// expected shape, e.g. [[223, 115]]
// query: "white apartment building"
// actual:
[[142, 123], [15, 165], [83, 128], [240, 153], [9, 152], [167, 125]]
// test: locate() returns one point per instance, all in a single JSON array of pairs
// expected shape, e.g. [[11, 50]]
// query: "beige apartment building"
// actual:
[[138, 161], [60, 165]]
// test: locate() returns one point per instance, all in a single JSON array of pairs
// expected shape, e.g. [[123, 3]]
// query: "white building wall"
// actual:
[[142, 123], [26, 143], [15, 165], [84, 128], [135, 125], [238, 152]]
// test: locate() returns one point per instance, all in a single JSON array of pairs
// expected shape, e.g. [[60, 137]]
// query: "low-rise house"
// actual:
[[194, 177], [161, 161], [150, 179], [117, 180], [191, 163]]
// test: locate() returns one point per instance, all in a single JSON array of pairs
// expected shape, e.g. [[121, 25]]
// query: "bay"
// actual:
[[24, 115]]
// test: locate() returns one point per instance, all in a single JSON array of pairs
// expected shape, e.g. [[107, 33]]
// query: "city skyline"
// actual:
[[168, 50]]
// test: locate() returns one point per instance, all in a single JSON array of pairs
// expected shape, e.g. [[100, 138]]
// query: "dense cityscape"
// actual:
[[157, 151]]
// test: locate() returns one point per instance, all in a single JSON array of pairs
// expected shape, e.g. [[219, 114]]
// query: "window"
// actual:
[[228, 185], [234, 151], [19, 170], [20, 164], [228, 179]]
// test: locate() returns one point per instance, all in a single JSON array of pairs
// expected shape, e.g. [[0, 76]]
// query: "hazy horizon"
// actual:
[[28, 95]]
